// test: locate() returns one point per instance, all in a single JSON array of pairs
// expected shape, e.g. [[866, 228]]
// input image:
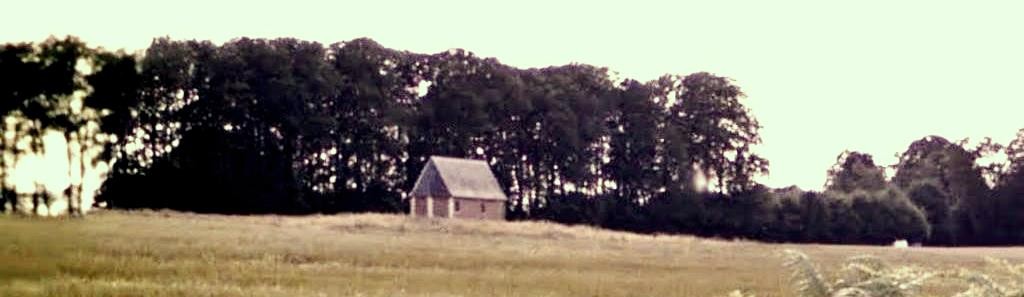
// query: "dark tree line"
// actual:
[[289, 126], [266, 126]]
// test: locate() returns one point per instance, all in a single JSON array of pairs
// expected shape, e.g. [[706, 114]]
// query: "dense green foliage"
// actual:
[[290, 126]]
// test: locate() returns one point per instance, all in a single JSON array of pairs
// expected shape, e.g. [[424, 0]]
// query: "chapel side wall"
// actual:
[[471, 209], [499, 210], [419, 206], [440, 207]]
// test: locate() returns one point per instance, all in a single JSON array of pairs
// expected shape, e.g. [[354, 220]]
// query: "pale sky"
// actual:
[[863, 75]]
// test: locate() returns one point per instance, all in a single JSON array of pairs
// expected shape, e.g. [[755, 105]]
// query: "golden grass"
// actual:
[[147, 253]]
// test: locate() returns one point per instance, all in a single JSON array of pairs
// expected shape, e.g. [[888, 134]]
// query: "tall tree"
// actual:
[[115, 97], [718, 130], [20, 71], [55, 107], [634, 144], [855, 171], [954, 172], [66, 110], [116, 87], [568, 119], [1009, 192], [374, 92]]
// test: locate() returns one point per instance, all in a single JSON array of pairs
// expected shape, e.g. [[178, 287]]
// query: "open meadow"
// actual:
[[147, 253]]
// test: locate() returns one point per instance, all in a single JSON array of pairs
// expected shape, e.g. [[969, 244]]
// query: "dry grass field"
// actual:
[[176, 254]]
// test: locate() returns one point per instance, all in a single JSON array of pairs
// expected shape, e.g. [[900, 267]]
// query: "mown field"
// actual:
[[176, 254]]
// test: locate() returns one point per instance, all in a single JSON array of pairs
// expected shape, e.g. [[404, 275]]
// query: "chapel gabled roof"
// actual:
[[462, 178]]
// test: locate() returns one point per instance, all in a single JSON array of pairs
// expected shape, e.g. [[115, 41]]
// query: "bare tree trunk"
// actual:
[[81, 172], [4, 198], [13, 199], [35, 201], [10, 195], [71, 186]]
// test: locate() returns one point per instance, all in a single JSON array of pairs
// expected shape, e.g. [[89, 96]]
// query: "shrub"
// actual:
[[870, 276], [859, 276]]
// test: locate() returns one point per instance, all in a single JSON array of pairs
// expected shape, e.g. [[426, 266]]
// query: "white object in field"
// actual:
[[900, 244]]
